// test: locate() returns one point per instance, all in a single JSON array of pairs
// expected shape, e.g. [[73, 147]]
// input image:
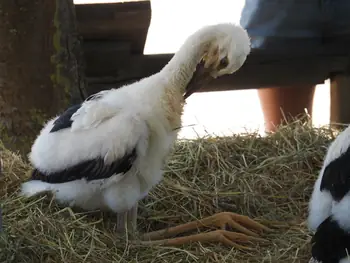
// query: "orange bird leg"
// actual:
[[219, 220], [221, 236]]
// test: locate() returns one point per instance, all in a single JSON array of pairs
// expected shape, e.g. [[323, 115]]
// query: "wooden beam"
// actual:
[[109, 1], [340, 97], [104, 53], [124, 22], [259, 70]]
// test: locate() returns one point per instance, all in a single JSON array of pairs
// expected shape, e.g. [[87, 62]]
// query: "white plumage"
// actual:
[[329, 208], [138, 122]]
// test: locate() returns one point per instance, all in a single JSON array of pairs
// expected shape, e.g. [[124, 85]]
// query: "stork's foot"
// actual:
[[225, 237], [220, 220]]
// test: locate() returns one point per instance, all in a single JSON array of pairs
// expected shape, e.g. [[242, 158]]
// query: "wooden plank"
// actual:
[[87, 2], [125, 22], [340, 97], [104, 53], [139, 66], [259, 70]]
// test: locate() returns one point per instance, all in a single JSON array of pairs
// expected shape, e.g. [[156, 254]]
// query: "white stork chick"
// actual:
[[329, 208], [109, 151]]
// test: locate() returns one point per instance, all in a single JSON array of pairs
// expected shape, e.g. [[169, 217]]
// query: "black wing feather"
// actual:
[[64, 121], [90, 170], [95, 96], [330, 242], [336, 176]]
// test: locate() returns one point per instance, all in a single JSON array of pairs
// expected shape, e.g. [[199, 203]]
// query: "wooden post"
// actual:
[[40, 67], [340, 99]]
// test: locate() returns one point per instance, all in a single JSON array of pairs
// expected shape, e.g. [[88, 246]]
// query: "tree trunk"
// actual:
[[40, 67]]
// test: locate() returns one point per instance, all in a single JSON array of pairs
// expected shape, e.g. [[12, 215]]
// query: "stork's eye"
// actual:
[[224, 62]]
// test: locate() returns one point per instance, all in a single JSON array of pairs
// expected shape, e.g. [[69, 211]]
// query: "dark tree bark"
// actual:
[[40, 67]]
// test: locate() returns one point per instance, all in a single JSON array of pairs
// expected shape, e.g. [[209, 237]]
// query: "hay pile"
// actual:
[[267, 178]]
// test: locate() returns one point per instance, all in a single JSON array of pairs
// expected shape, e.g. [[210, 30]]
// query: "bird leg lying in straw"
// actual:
[[221, 220]]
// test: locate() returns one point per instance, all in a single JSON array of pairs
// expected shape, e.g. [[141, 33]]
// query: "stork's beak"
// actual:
[[200, 78]]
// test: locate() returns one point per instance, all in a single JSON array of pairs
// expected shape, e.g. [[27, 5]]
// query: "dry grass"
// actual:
[[268, 178]]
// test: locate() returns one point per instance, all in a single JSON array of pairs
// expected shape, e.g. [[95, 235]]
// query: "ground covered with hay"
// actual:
[[266, 178]]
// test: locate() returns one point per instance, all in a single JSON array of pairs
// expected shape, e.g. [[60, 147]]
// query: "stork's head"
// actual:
[[225, 51]]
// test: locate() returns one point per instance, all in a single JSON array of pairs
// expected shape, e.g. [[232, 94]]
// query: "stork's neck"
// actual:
[[181, 67], [177, 74]]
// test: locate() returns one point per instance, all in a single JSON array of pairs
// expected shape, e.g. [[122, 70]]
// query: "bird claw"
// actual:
[[235, 221], [224, 237], [232, 239], [220, 220]]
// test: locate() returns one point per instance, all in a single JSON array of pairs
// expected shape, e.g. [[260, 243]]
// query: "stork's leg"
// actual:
[[121, 221], [225, 237], [132, 219], [220, 220], [127, 220]]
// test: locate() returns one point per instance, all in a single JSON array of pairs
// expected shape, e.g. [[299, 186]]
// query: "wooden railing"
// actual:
[[114, 38]]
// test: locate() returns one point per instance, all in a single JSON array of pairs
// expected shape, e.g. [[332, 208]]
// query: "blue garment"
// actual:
[[287, 25]]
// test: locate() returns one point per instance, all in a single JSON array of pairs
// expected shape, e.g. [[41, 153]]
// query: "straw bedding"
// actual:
[[266, 178]]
